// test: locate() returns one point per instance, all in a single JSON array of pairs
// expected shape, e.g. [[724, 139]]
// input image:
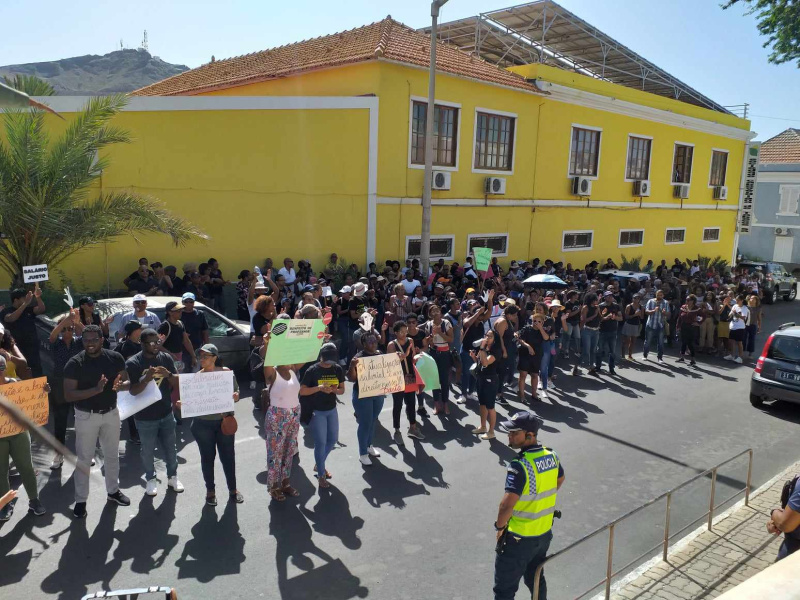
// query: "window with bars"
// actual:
[[445, 134], [638, 158], [719, 165], [494, 142], [682, 164], [577, 240], [675, 236], [498, 243], [631, 237], [441, 247], [711, 234], [585, 153]]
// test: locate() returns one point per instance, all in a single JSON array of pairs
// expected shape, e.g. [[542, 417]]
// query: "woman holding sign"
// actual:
[[211, 436], [18, 448], [281, 425], [367, 409], [321, 383]]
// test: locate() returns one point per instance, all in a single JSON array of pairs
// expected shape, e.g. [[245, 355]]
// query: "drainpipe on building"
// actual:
[[425, 234]]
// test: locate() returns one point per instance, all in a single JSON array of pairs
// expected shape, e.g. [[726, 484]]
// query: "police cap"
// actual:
[[524, 420]]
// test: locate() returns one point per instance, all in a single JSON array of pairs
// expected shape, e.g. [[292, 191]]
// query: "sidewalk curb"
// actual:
[[688, 538]]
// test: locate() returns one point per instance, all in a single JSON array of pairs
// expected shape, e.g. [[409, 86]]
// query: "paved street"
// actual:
[[418, 523]]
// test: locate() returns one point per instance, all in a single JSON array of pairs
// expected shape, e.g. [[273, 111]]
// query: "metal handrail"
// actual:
[[610, 527]]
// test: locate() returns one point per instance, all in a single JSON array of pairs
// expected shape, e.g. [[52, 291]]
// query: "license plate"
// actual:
[[788, 376]]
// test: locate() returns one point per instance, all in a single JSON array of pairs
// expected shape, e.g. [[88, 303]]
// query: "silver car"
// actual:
[[231, 337], [777, 372]]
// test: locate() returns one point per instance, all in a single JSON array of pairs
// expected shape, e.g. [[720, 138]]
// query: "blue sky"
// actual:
[[717, 52]]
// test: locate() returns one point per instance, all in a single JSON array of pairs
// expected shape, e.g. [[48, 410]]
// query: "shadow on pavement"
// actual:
[[202, 558]]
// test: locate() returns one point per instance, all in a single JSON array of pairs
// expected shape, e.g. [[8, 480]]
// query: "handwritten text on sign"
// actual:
[[381, 374], [34, 273], [30, 396], [206, 393]]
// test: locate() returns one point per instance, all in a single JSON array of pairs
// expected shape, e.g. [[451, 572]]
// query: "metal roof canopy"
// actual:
[[545, 32]]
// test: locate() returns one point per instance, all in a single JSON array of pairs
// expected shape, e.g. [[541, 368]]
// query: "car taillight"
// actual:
[[760, 362]]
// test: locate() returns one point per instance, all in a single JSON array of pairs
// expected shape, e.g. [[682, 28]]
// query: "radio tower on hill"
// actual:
[[144, 41]]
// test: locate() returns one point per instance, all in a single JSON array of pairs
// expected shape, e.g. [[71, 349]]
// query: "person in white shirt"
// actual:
[[740, 315], [409, 283], [695, 268], [141, 314], [288, 271]]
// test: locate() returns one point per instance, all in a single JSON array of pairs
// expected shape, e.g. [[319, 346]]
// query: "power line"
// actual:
[[776, 118]]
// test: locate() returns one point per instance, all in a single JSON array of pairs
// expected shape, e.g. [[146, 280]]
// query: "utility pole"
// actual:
[[425, 238]]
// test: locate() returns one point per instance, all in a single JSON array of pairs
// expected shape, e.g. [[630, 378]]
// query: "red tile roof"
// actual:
[[783, 148], [386, 40]]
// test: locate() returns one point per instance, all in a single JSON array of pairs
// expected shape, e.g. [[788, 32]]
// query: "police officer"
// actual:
[[525, 518]]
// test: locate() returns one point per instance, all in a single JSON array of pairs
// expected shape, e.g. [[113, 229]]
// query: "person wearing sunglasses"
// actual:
[[88, 316], [65, 342], [141, 314]]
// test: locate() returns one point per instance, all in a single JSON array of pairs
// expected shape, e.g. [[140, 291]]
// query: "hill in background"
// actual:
[[119, 71]]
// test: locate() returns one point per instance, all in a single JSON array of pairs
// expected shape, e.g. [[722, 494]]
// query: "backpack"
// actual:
[[788, 489]]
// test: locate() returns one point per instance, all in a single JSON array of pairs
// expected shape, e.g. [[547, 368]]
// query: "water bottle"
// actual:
[[259, 276]]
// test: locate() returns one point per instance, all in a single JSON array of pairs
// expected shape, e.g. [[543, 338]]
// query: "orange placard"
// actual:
[[31, 397]]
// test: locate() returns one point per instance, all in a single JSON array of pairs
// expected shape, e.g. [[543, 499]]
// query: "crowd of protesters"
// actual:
[[487, 332]]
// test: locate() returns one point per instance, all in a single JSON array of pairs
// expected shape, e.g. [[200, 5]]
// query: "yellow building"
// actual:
[[317, 147]]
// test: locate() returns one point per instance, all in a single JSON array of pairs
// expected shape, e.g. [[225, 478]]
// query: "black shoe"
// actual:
[[612, 373], [36, 507], [422, 412], [79, 512], [692, 363], [119, 498], [7, 511], [502, 401]]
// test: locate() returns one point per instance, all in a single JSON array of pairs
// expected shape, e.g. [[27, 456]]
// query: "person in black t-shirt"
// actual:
[[20, 320], [129, 346], [174, 338], [91, 379], [155, 423], [572, 310], [610, 316], [196, 326], [320, 385]]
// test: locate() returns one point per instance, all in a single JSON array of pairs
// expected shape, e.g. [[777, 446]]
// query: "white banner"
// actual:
[[34, 273], [206, 393], [129, 405]]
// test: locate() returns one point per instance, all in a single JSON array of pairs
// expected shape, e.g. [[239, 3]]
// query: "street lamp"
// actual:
[[425, 237]]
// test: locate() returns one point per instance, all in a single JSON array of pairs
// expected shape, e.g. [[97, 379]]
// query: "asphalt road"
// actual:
[[419, 522]]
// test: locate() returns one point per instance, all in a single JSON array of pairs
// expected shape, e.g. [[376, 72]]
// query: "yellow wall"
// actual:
[[260, 183]]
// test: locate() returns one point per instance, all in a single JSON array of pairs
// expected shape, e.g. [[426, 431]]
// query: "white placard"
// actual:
[[380, 374], [129, 405], [326, 291], [34, 273], [206, 393]]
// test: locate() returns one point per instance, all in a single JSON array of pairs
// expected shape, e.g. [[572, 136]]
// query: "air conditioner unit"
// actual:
[[681, 191], [495, 185], [781, 231], [581, 186], [441, 180], [641, 188], [720, 192]]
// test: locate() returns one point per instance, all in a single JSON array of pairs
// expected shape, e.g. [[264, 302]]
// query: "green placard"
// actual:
[[294, 341], [429, 372], [483, 256]]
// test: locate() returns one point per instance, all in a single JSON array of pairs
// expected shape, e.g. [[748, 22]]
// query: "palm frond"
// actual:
[[31, 85]]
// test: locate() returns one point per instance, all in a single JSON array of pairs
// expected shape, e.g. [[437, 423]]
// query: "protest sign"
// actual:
[[30, 397], [326, 291], [483, 256], [294, 341], [34, 273], [129, 405], [381, 374], [427, 369], [206, 393]]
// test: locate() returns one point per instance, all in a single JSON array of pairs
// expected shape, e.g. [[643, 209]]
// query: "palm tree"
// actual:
[[31, 85], [50, 206]]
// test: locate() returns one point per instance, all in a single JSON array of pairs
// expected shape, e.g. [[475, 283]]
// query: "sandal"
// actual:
[[277, 494], [327, 473], [323, 482], [290, 491]]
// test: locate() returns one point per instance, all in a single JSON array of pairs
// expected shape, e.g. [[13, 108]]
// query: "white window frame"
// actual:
[[444, 236], [455, 105], [566, 232], [599, 150], [619, 238], [491, 111], [683, 229], [487, 235], [719, 235], [711, 165], [789, 189], [628, 155], [672, 164]]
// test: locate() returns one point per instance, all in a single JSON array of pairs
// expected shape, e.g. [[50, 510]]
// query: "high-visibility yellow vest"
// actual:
[[533, 512]]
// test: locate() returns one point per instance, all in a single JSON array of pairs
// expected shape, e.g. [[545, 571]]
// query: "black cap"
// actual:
[[85, 300], [522, 421], [132, 326]]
